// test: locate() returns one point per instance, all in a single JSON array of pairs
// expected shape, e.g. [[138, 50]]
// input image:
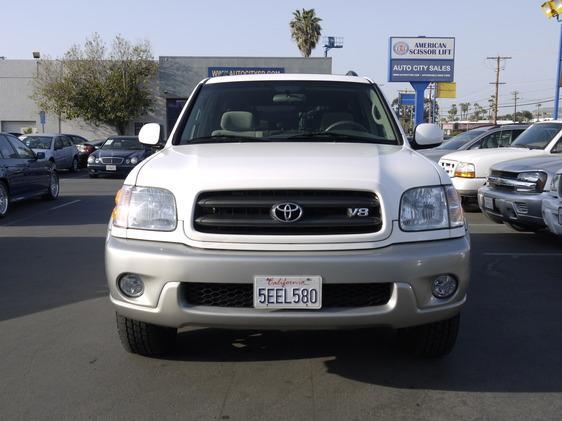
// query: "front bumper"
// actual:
[[120, 169], [468, 187], [519, 208], [552, 214], [411, 268]]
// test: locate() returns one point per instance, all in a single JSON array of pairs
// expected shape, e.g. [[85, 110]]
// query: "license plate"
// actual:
[[489, 203], [111, 167], [296, 292]]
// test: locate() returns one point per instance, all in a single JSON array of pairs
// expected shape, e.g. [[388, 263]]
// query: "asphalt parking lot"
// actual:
[[61, 358]]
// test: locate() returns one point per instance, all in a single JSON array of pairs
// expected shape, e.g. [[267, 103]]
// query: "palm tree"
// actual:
[[305, 30]]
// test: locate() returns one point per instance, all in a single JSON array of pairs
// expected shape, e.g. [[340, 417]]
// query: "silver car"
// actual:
[[58, 149]]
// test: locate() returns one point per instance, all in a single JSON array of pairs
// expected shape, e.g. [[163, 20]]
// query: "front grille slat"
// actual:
[[325, 212], [111, 160], [242, 295]]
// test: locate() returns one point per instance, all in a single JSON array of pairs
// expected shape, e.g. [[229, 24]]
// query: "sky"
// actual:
[[482, 28]]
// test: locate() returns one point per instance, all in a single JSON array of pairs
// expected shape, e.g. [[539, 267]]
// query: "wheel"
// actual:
[[53, 164], [75, 165], [431, 340], [145, 338], [54, 188], [4, 200], [93, 175]]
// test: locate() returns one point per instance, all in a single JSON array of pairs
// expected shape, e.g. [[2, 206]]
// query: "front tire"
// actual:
[[75, 165], [144, 338], [54, 188], [4, 200], [431, 340]]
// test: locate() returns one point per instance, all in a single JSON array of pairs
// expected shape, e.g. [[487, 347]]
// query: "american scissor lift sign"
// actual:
[[421, 59]]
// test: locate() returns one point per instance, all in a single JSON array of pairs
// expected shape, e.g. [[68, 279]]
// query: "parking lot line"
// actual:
[[524, 254], [40, 213], [64, 204]]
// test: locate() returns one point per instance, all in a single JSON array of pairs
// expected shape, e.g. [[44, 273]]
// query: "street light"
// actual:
[[553, 9]]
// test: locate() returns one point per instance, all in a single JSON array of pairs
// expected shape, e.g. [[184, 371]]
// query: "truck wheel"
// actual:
[[145, 338], [431, 340], [4, 200]]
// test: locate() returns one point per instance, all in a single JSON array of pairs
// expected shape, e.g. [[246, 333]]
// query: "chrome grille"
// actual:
[[113, 160], [323, 212]]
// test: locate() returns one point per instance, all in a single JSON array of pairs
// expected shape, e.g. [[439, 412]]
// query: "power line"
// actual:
[[498, 60]]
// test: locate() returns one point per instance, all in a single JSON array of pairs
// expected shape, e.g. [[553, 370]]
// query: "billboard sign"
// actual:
[[421, 59], [407, 99], [240, 71]]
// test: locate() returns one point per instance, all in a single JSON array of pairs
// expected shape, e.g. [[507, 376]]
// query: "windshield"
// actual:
[[38, 142], [460, 140], [123, 144], [288, 111], [538, 136]]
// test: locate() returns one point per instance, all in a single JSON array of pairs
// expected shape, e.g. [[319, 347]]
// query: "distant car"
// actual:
[[516, 189], [23, 173], [118, 155], [84, 148], [480, 138], [552, 205], [16, 134], [59, 150]]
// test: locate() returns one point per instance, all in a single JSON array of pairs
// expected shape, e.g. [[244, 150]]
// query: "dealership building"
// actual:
[[176, 78]]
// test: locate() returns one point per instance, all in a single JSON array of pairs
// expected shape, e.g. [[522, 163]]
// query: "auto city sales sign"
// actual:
[[420, 59]]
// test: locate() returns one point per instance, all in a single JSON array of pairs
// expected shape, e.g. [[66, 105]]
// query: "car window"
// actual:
[[459, 140], [6, 150], [515, 134], [38, 142], [120, 143], [77, 140], [487, 141], [538, 136], [66, 141], [278, 111], [22, 150], [505, 139], [58, 143]]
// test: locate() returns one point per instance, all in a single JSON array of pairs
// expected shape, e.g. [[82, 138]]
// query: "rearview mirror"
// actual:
[[427, 136], [150, 134]]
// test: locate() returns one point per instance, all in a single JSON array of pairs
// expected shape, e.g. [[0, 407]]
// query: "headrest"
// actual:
[[237, 121]]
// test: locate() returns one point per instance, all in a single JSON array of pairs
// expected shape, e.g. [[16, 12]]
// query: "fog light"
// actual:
[[131, 285], [444, 286]]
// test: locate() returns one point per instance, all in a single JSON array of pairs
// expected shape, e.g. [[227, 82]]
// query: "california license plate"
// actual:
[[288, 292], [111, 167], [489, 203]]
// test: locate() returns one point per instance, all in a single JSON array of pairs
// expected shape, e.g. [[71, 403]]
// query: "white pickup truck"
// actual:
[[469, 169], [288, 202]]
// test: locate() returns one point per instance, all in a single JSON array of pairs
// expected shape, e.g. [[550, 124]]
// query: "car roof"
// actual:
[[123, 137], [287, 77]]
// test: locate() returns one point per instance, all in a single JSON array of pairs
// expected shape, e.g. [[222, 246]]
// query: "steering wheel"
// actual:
[[345, 123]]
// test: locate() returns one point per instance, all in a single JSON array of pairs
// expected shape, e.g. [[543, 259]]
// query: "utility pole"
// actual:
[[538, 111], [430, 114], [498, 60], [515, 98]]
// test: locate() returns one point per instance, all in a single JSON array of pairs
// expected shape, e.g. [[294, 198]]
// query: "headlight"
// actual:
[[134, 160], [146, 208], [91, 159], [465, 170], [536, 179], [97, 161], [556, 186], [127, 161], [431, 208]]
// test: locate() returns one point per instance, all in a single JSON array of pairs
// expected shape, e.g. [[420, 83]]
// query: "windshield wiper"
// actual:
[[221, 138], [323, 135]]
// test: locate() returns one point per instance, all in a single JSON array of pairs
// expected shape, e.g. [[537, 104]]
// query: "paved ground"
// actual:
[[60, 357]]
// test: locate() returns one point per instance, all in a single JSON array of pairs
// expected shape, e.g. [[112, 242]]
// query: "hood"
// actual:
[[434, 154], [121, 153], [550, 164], [483, 159], [189, 169]]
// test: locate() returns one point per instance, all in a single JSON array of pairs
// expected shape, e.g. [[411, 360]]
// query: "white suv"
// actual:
[[287, 202]]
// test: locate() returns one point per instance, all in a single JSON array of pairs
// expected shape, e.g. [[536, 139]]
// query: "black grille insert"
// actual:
[[242, 295], [324, 212]]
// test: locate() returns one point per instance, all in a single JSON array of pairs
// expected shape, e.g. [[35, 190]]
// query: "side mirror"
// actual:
[[427, 136], [150, 134], [40, 155]]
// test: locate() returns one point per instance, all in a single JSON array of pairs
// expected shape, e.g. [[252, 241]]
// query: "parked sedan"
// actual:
[[59, 150], [552, 205], [84, 148], [118, 155], [481, 138], [23, 173], [515, 190]]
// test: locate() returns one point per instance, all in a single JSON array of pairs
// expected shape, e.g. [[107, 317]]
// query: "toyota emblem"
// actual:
[[286, 212]]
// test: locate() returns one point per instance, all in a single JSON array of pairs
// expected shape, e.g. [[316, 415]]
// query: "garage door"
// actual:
[[16, 126]]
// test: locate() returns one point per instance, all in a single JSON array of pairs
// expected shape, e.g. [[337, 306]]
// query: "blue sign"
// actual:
[[42, 118], [240, 71], [421, 59], [407, 99]]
